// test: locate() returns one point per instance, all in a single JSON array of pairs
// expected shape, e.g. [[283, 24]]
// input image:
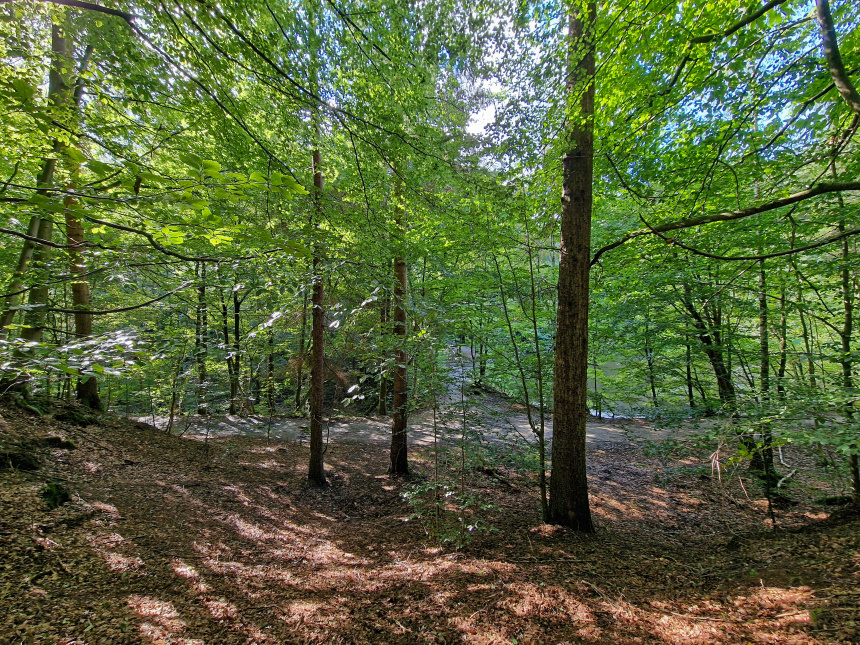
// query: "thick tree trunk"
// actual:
[[568, 503], [87, 391], [398, 462], [31, 253], [316, 469], [847, 363]]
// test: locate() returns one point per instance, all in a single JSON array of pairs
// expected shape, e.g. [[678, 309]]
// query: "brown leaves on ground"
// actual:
[[170, 541]]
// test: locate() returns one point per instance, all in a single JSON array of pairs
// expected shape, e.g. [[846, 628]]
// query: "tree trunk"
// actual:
[[243, 406], [783, 345], [762, 461], [847, 363], [16, 285], [568, 503], [301, 353], [270, 374], [689, 364], [398, 462], [710, 336], [31, 253], [384, 311], [87, 391], [225, 329], [200, 343], [649, 361], [316, 469]]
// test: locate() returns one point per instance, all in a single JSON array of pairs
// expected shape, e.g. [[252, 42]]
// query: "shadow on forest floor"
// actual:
[[167, 540]]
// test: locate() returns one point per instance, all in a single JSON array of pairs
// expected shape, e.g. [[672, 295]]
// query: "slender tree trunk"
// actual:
[[16, 285], [201, 345], [568, 503], [649, 360], [688, 355], [242, 406], [384, 313], [398, 461], [301, 353], [847, 363], [270, 374], [710, 335], [225, 330], [783, 345], [763, 459]]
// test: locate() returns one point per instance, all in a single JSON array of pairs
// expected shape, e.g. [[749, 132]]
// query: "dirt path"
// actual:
[[488, 418]]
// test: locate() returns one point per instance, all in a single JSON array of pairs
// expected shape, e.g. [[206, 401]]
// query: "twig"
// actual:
[[689, 617]]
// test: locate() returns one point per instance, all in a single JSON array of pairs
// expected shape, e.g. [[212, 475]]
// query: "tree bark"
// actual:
[[244, 406], [87, 391], [398, 461], [710, 336], [31, 253], [225, 330], [316, 469], [383, 377], [301, 353], [568, 504], [763, 459], [834, 60], [200, 343]]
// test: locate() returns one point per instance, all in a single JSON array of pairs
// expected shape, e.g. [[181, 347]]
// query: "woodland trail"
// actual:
[[486, 416], [489, 419]]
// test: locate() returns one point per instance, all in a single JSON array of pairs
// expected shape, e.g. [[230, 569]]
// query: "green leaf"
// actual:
[[190, 159]]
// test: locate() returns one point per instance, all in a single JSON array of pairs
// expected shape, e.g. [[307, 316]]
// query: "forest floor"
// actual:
[[168, 540], [490, 418]]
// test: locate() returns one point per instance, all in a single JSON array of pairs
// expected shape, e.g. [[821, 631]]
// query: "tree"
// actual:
[[568, 487]]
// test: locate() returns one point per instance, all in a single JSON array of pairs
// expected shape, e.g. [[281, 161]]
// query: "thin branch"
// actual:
[[766, 256], [691, 222], [39, 240], [119, 310], [128, 17], [750, 17]]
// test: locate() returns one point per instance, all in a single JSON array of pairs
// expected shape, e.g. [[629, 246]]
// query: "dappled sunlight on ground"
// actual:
[[215, 550]]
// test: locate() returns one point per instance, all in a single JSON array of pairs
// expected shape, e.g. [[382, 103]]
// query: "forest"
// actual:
[[407, 321]]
